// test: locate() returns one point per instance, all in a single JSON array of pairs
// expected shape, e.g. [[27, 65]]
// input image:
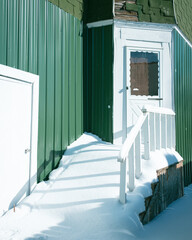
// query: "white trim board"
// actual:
[[144, 25], [100, 23], [22, 76]]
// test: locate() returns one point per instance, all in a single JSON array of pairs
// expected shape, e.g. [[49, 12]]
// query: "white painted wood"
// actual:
[[148, 46], [163, 131], [166, 76], [131, 168], [124, 110], [119, 93], [166, 130], [16, 74], [143, 123], [100, 23], [138, 155], [15, 128], [145, 25], [161, 110], [155, 128], [19, 92], [169, 131], [146, 134], [158, 130], [131, 137], [146, 35], [173, 132], [152, 131], [123, 181]]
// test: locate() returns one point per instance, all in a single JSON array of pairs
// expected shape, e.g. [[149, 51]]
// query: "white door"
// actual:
[[15, 141], [150, 47], [143, 71]]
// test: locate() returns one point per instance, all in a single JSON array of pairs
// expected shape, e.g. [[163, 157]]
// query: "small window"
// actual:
[[144, 68]]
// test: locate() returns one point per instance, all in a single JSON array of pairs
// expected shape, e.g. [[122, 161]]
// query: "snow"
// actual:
[[80, 200]]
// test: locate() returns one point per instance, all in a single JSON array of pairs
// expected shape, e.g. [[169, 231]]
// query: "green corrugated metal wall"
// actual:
[[98, 82], [183, 102], [40, 38]]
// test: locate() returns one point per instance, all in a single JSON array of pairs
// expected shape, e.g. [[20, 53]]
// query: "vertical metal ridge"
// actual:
[[75, 76], [62, 85], [183, 95]]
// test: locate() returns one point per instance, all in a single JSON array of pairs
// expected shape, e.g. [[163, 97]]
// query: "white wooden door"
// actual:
[[15, 141], [143, 71], [146, 38]]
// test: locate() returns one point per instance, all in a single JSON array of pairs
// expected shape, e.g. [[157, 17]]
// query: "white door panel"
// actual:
[[138, 96], [15, 137], [139, 38]]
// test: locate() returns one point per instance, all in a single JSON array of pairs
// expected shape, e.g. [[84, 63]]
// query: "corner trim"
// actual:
[[182, 35]]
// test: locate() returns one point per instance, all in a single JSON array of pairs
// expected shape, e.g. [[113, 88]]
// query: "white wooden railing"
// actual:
[[156, 128]]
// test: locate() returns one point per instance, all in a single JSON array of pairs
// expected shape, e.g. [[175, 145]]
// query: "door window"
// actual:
[[144, 73]]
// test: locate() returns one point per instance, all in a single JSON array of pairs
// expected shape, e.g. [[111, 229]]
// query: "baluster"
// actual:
[[138, 155], [173, 131], [163, 131], [169, 131], [152, 131], [146, 133], [158, 130], [166, 131], [131, 166], [123, 181]]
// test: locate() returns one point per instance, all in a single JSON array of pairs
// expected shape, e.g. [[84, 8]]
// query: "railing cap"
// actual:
[[160, 110]]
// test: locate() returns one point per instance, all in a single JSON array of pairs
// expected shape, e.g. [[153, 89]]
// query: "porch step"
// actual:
[[167, 189]]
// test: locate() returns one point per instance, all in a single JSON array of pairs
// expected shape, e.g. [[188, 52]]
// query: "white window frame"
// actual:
[[157, 50]]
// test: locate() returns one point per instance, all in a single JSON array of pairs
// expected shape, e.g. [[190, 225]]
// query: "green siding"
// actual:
[[183, 106], [40, 38], [98, 87]]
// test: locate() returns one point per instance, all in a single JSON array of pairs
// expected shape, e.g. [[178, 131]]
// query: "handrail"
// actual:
[[131, 138], [157, 127], [160, 110]]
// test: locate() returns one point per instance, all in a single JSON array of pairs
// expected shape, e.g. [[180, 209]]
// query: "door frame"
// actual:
[[22, 76], [129, 34]]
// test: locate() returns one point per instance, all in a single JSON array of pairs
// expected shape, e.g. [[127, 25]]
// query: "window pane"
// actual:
[[144, 73]]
